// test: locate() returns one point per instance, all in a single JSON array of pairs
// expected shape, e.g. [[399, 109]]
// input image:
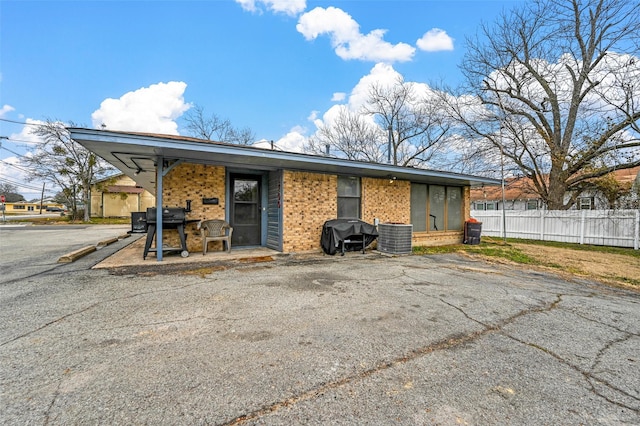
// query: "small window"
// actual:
[[348, 197], [532, 205], [585, 203], [478, 206], [491, 206]]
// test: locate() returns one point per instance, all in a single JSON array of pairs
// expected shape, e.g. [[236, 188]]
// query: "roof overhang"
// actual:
[[136, 155]]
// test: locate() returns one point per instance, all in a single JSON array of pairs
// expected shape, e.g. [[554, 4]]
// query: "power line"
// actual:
[[19, 122], [20, 185], [13, 152], [21, 141], [14, 166]]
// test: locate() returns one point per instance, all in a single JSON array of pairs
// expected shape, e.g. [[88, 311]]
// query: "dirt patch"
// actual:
[[610, 268]]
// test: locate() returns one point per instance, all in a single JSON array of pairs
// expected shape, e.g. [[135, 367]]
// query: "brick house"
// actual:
[[280, 200]]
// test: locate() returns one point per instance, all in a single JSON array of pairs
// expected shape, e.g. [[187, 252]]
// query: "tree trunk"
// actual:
[[557, 188]]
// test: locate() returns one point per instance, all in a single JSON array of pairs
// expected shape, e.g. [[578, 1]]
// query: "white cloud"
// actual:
[[289, 7], [149, 109], [346, 38], [26, 135], [293, 141], [382, 74], [5, 110], [338, 97], [435, 40]]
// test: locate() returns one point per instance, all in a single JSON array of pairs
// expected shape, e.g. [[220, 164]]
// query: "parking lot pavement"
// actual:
[[363, 339]]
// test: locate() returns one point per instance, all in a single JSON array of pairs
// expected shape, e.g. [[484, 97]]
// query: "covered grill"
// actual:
[[346, 235], [172, 218]]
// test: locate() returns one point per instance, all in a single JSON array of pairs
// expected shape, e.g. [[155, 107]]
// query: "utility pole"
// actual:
[[42, 197], [390, 130]]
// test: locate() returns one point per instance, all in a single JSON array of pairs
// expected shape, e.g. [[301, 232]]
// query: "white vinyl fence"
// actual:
[[617, 228]]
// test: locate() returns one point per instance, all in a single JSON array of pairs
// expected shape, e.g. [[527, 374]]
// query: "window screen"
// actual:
[[348, 197], [454, 208], [419, 207]]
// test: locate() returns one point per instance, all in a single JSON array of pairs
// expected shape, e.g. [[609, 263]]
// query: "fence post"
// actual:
[[542, 224], [636, 238], [583, 221]]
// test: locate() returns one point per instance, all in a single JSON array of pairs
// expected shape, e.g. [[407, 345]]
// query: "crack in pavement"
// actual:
[[62, 318], [93, 305], [588, 375], [444, 344]]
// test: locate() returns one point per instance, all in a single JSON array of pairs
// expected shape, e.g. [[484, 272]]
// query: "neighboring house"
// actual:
[[281, 199], [119, 196], [622, 192], [21, 207], [519, 195]]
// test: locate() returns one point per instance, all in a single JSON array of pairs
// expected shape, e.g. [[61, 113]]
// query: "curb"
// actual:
[[77, 254]]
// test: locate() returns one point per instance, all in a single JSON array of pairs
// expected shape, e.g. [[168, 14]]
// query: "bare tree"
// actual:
[[351, 136], [417, 123], [213, 127], [65, 163], [557, 92], [402, 123], [10, 191]]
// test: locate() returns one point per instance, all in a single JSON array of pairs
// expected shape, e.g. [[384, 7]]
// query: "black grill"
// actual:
[[346, 235], [170, 215], [172, 218]]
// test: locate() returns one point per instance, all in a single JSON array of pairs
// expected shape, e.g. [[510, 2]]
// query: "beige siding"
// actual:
[[118, 204]]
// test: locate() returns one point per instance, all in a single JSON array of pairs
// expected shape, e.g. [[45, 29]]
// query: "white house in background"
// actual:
[[520, 195]]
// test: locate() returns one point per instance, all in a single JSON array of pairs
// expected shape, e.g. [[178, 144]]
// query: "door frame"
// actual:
[[261, 177]]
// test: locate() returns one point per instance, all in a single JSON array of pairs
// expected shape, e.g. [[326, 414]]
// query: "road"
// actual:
[[360, 339], [27, 250]]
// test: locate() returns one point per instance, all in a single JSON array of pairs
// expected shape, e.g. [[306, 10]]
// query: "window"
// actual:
[[491, 206], [348, 197], [478, 206], [454, 208], [436, 207], [585, 203], [532, 205], [419, 207]]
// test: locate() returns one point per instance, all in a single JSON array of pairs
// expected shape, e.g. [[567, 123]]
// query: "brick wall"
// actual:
[[309, 199], [194, 182], [385, 200]]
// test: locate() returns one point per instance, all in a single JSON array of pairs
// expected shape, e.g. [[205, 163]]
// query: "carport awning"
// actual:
[[135, 154]]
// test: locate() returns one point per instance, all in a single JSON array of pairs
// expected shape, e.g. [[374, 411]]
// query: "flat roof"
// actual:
[[135, 155]]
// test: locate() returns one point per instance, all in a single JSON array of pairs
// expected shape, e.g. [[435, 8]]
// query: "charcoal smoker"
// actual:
[[172, 218]]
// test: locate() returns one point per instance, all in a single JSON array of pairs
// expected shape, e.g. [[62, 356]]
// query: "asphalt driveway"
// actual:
[[364, 339]]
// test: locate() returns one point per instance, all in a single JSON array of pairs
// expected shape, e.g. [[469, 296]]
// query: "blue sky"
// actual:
[[274, 66]]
